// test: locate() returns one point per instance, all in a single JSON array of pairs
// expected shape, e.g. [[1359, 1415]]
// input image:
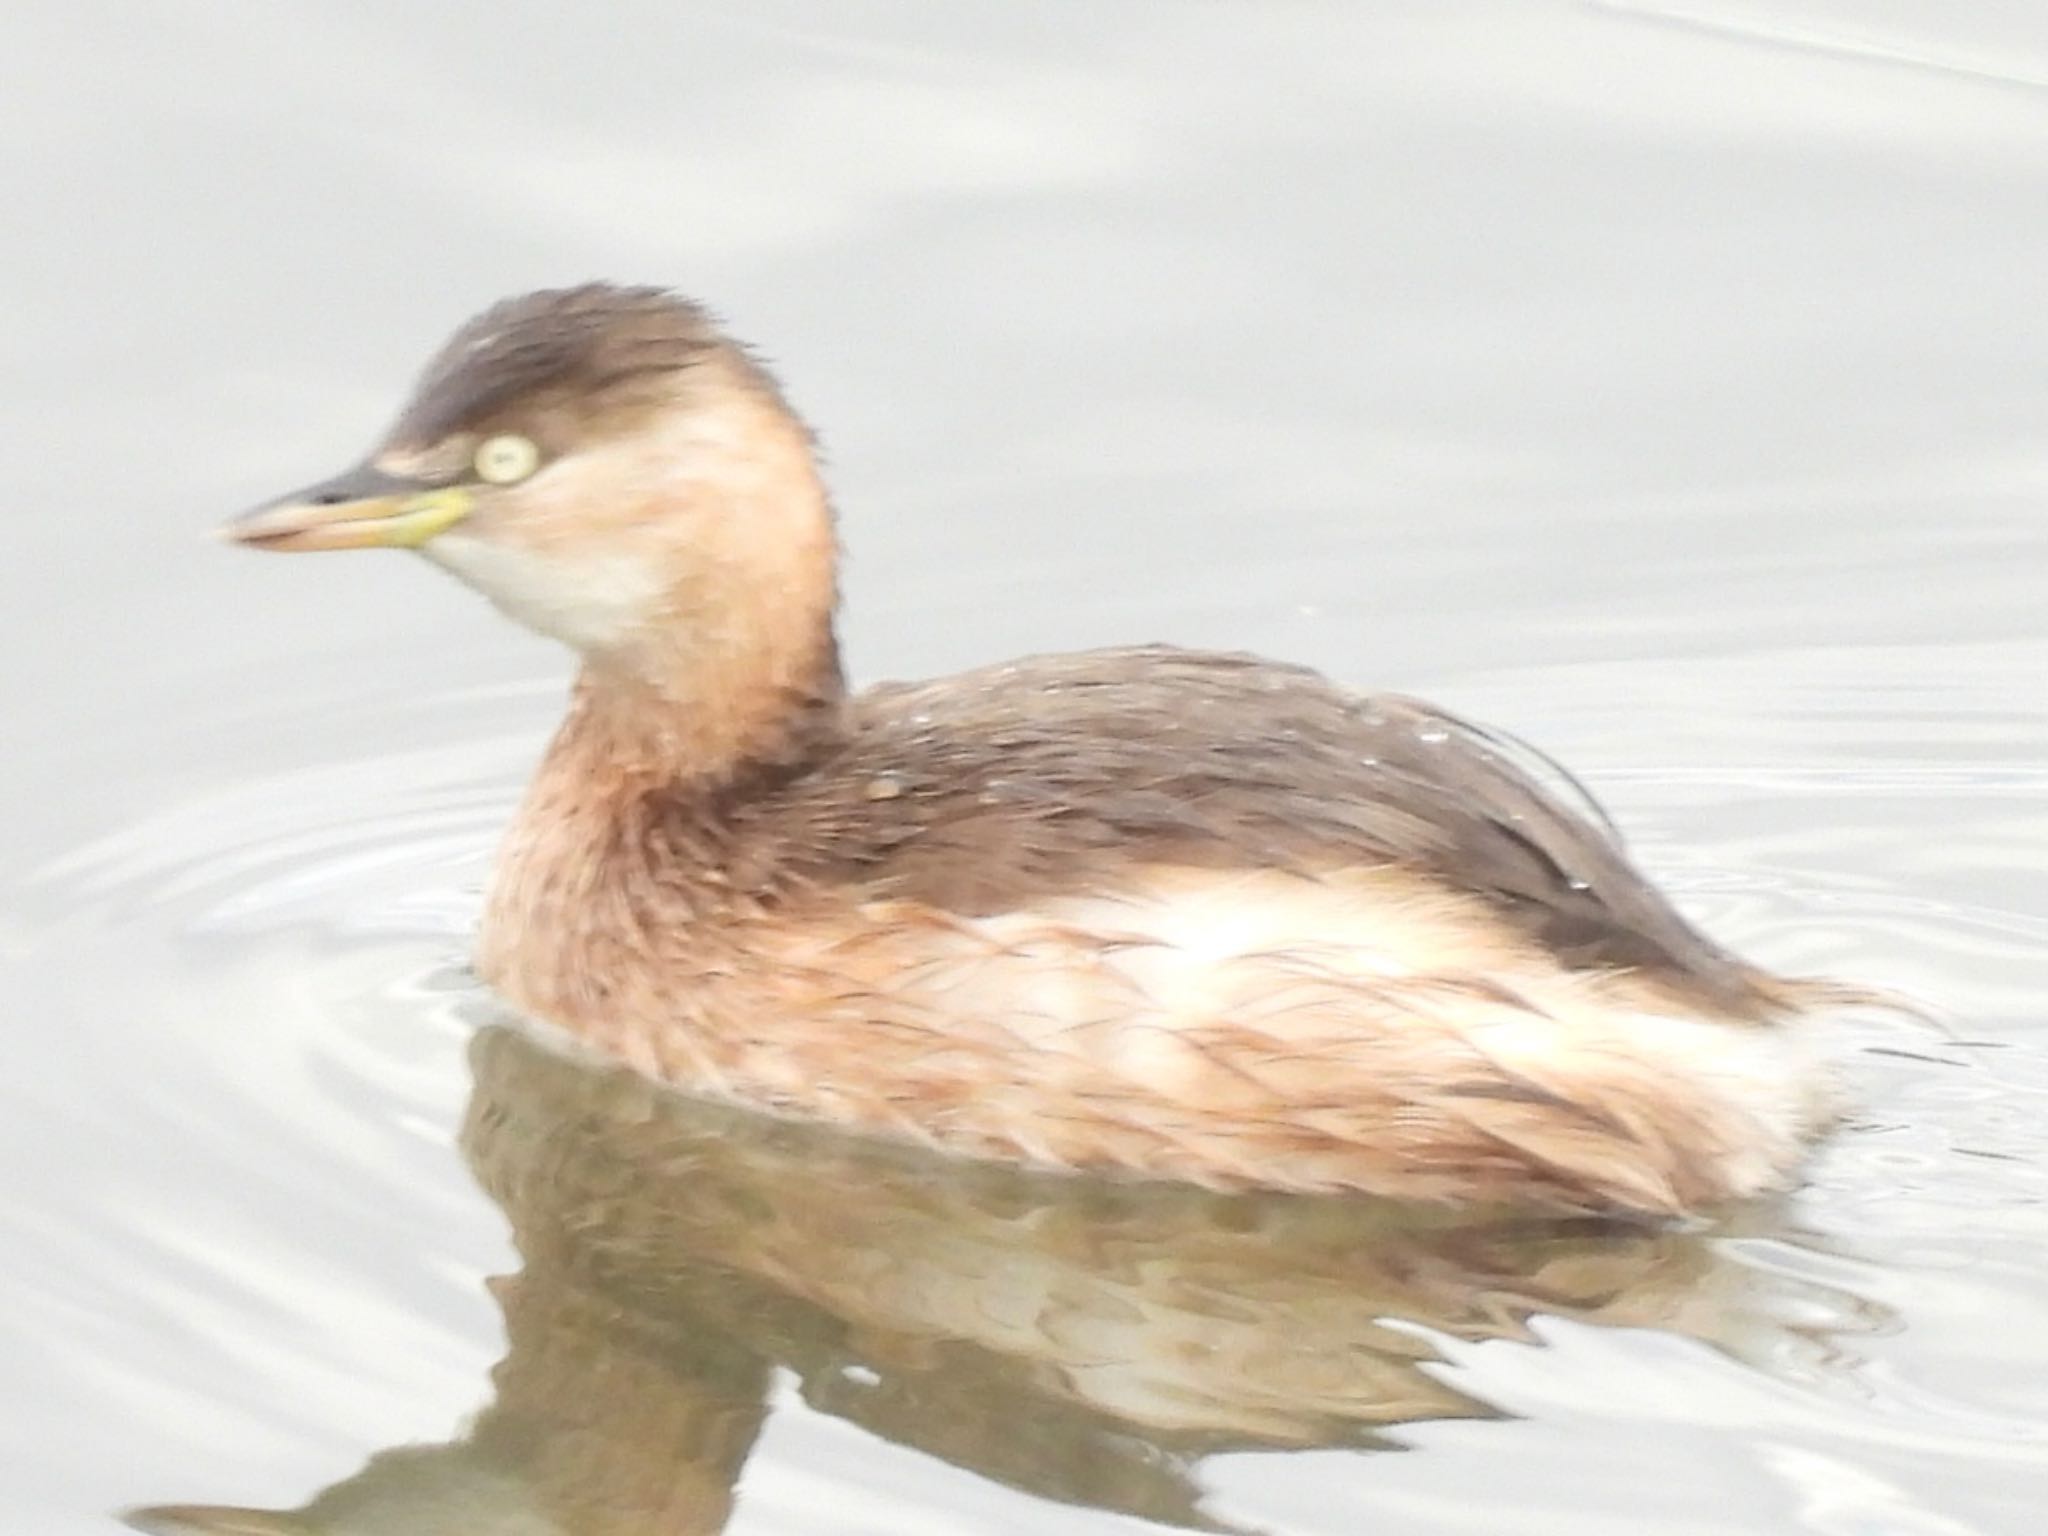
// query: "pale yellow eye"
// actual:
[[506, 458]]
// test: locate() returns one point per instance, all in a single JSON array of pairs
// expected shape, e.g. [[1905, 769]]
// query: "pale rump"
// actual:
[[1355, 1030]]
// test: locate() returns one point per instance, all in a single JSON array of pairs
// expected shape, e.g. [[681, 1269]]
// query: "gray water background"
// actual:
[[1663, 382]]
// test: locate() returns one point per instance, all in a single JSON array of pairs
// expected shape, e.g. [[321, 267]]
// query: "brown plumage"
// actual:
[[1199, 916]]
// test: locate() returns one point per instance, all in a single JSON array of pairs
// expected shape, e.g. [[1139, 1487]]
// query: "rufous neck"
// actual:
[[696, 728]]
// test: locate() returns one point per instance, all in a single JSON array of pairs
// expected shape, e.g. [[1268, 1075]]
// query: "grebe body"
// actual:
[[1178, 914]]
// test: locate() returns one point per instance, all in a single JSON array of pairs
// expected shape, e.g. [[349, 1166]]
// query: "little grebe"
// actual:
[[1197, 916]]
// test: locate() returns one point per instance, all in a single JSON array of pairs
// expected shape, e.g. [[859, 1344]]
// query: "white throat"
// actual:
[[591, 604]]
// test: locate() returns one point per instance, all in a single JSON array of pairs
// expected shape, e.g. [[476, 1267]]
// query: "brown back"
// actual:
[[1060, 775]]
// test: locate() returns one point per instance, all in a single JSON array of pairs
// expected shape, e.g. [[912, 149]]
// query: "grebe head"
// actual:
[[609, 469]]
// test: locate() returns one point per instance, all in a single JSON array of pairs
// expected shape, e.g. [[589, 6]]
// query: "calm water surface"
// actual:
[[1662, 381]]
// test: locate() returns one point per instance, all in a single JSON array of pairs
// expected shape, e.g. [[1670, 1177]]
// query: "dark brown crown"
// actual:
[[557, 347]]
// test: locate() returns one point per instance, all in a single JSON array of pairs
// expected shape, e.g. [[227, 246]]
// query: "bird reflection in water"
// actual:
[[1082, 1341]]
